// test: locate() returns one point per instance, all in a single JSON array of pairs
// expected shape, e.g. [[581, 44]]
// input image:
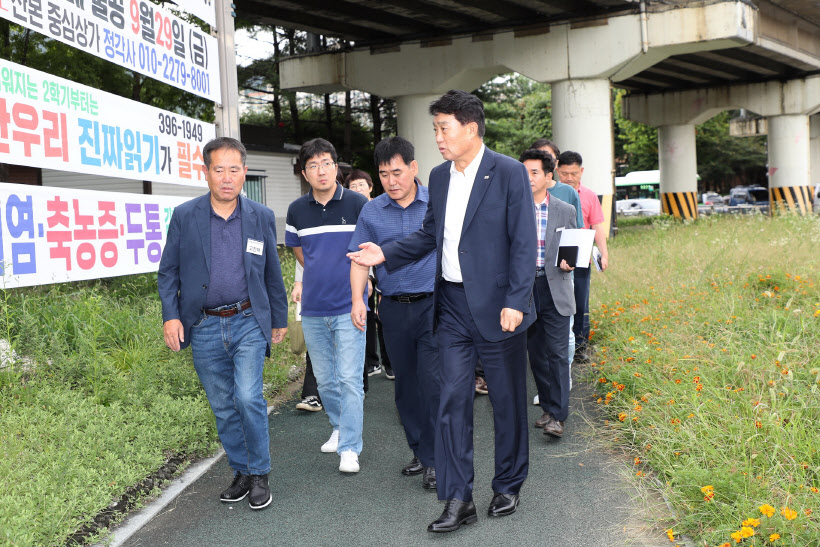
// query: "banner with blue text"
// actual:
[[55, 235]]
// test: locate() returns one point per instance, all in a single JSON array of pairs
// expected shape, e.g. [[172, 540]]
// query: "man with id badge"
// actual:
[[222, 293]]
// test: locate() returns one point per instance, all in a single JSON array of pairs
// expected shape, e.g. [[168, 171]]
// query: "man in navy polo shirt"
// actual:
[[319, 226], [406, 308]]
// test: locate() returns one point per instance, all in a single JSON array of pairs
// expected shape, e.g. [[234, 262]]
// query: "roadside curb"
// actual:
[[135, 521]]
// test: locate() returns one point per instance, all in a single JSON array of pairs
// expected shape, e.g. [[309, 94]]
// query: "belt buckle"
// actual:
[[404, 299]]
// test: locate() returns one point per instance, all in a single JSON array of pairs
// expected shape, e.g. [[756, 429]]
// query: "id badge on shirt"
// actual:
[[255, 247]]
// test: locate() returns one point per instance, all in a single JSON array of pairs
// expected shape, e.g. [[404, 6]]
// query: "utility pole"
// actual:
[[227, 114]]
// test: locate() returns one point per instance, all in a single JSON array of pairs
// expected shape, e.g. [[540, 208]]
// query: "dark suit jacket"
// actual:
[[184, 270], [497, 247]]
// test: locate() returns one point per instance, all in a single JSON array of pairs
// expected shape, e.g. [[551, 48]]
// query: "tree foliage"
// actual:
[[517, 112]]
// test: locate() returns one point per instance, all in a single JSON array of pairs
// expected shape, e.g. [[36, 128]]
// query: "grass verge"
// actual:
[[708, 338], [103, 406]]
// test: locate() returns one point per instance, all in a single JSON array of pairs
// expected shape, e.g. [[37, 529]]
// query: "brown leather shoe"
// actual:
[[481, 386], [545, 418], [554, 428]]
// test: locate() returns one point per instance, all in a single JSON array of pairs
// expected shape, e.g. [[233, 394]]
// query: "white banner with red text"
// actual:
[[53, 123], [135, 34], [55, 235]]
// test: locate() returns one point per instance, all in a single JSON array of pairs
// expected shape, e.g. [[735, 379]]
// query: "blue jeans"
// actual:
[[229, 354], [336, 349]]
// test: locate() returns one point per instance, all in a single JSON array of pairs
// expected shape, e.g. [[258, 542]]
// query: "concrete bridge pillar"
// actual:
[[416, 125], [789, 176], [582, 122], [814, 151], [678, 165]]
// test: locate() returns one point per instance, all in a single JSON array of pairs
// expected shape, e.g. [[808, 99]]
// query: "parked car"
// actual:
[[750, 196], [643, 206], [712, 198]]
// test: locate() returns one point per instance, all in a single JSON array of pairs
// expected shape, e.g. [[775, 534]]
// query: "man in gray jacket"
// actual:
[[547, 338]]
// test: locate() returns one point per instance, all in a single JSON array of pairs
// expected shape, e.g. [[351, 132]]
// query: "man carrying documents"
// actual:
[[554, 298]]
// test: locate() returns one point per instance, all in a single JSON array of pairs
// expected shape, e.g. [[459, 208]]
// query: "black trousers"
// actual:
[[547, 348], [505, 368], [408, 333]]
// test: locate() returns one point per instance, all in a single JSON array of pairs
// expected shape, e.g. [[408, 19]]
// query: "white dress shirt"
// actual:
[[458, 195]]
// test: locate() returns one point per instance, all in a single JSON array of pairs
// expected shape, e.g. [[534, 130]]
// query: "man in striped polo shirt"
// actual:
[[319, 227]]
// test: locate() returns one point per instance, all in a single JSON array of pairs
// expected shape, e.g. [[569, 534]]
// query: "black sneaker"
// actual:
[[237, 490], [373, 370], [388, 372], [260, 492]]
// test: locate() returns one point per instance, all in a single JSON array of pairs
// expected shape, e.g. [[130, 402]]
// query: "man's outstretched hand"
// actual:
[[370, 255]]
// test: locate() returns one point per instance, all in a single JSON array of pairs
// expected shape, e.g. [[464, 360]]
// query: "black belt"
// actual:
[[407, 298], [541, 272], [230, 309]]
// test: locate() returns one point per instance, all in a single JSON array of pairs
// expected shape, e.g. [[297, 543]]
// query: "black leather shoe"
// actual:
[[237, 490], [413, 468], [503, 505], [545, 418], [554, 428], [260, 492], [428, 478], [456, 513]]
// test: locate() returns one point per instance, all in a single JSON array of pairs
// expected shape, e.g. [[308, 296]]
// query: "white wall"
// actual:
[[281, 185]]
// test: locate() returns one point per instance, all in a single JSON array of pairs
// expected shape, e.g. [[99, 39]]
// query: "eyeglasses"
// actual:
[[325, 165]]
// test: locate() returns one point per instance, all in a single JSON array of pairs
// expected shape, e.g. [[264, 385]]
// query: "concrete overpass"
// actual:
[[682, 62]]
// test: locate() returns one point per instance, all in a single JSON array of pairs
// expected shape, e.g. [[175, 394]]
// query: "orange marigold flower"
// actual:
[[807, 512], [774, 537], [602, 380], [747, 531], [638, 375], [767, 510], [622, 416], [788, 513], [707, 488], [758, 425], [670, 534], [637, 461], [813, 489], [677, 380], [736, 536], [753, 356], [754, 523], [698, 387]]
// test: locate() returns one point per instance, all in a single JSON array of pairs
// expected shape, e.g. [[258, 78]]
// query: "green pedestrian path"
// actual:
[[576, 494]]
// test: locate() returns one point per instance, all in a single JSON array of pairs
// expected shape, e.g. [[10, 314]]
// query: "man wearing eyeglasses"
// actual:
[[318, 228]]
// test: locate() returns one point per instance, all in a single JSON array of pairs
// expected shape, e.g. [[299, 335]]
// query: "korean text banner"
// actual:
[[54, 235], [135, 34], [56, 124], [204, 9]]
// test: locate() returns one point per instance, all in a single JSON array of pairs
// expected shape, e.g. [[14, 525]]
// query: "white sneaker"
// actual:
[[332, 443], [349, 463], [535, 400]]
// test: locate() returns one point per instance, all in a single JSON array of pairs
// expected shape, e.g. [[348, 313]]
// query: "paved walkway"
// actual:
[[575, 496]]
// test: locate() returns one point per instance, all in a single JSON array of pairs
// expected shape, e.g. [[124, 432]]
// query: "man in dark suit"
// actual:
[[481, 222], [222, 293], [548, 337]]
